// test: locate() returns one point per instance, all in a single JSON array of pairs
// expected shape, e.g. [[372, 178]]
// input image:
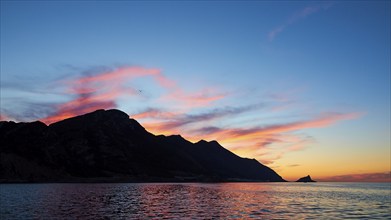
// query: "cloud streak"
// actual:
[[196, 99], [173, 122], [321, 121], [246, 141], [296, 17], [363, 177], [102, 90], [193, 114], [255, 141]]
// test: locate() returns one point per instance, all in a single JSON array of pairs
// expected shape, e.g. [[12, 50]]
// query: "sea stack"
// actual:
[[306, 179]]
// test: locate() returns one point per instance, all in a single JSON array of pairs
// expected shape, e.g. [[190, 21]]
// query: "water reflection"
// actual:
[[194, 200]]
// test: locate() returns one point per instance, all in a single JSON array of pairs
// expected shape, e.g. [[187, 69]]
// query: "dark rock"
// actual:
[[306, 179], [108, 146]]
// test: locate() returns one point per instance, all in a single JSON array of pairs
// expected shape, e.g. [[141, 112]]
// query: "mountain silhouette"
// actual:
[[106, 145]]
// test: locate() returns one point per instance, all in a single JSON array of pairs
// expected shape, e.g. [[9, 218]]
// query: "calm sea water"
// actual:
[[196, 201]]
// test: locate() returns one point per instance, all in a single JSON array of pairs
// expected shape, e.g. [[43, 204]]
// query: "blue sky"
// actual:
[[232, 65]]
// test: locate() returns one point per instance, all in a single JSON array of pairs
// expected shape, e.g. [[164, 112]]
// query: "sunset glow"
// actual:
[[304, 90]]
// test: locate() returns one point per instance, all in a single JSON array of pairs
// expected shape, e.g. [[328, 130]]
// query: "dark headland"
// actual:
[[306, 179], [108, 146]]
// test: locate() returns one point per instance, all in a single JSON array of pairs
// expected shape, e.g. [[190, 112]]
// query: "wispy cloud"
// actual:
[[199, 98], [254, 141], [363, 177], [296, 17], [247, 141], [101, 90], [154, 113], [193, 114], [323, 120], [273, 33], [293, 165], [174, 122]]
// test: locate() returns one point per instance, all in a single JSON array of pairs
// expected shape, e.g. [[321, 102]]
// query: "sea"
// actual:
[[196, 201]]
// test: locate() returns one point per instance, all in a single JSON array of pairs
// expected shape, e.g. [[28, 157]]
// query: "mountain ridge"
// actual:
[[108, 146]]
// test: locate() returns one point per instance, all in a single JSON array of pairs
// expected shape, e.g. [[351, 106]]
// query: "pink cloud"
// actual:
[[164, 122], [196, 99], [322, 121], [250, 141], [4, 117], [155, 113], [253, 142], [362, 177], [101, 91], [119, 75]]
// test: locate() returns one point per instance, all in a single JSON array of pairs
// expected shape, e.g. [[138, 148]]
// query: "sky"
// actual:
[[303, 87]]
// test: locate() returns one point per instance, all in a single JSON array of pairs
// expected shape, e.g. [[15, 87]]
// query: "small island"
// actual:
[[306, 179]]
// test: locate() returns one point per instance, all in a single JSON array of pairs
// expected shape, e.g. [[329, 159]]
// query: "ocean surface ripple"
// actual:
[[196, 201]]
